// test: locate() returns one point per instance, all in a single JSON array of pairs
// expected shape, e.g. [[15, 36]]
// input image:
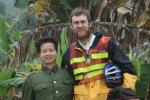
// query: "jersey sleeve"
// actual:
[[117, 56]]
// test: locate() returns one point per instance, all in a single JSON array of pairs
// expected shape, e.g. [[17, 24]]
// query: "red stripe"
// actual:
[[87, 80]]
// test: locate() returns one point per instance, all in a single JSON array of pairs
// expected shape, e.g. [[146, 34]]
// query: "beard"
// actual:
[[83, 36]]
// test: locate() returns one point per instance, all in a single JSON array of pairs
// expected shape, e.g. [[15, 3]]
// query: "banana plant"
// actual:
[[144, 57], [140, 57], [5, 74], [62, 46], [14, 78], [4, 40]]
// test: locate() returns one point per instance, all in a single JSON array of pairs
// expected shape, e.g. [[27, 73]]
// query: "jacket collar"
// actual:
[[45, 69], [96, 40]]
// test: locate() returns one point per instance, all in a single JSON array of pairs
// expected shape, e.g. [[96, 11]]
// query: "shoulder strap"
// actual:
[[103, 43]]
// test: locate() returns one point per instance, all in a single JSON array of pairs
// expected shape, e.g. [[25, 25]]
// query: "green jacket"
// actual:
[[56, 84]]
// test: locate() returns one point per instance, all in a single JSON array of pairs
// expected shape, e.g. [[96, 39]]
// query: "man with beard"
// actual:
[[51, 82], [87, 57]]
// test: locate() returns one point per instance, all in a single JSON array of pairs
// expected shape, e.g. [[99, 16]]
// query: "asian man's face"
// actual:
[[48, 53]]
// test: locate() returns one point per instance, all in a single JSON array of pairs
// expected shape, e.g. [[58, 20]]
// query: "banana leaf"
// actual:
[[5, 74], [26, 21], [62, 46], [4, 40], [144, 81]]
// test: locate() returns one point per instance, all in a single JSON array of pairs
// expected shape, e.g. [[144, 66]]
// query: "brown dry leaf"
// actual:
[[24, 44], [146, 25], [141, 20], [118, 2], [41, 6]]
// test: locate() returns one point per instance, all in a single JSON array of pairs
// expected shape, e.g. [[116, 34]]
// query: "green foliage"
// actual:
[[22, 3], [32, 51], [7, 10], [136, 64], [143, 81], [26, 21], [144, 57], [16, 76], [60, 9], [62, 46], [2, 8], [5, 74], [4, 40], [32, 65], [142, 65], [16, 36], [7, 42], [63, 8]]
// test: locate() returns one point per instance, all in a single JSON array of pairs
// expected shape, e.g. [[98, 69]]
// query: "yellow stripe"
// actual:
[[89, 75], [79, 77], [89, 68], [99, 55], [76, 60], [94, 73], [93, 56]]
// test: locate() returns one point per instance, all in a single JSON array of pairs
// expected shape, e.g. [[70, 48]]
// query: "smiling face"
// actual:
[[48, 53], [81, 26]]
